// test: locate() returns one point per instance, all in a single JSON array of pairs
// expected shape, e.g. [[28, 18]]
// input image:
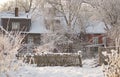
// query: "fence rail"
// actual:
[[58, 59]]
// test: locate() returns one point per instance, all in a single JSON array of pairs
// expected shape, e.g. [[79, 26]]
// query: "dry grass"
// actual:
[[113, 67]]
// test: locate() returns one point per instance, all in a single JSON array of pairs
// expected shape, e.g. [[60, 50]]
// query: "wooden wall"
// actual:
[[64, 59], [24, 23], [100, 37]]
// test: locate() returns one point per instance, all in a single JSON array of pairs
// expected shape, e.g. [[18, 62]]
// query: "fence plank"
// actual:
[[58, 59]]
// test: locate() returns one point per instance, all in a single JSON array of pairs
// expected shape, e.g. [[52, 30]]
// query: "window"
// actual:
[[104, 40], [15, 25], [95, 40], [57, 21], [30, 40]]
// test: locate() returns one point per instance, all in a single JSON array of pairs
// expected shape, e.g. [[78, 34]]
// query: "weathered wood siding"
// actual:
[[24, 23], [100, 37], [36, 38], [64, 59]]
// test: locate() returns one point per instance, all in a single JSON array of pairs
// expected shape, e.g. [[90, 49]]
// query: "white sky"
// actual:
[[3, 1]]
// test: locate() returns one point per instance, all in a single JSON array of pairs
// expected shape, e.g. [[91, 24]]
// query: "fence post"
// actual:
[[79, 57], [99, 53]]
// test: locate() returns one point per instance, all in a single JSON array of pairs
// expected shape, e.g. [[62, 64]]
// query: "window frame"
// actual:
[[95, 40], [104, 40], [30, 40], [15, 25]]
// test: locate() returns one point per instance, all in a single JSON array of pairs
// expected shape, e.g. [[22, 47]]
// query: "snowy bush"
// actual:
[[54, 42], [61, 42], [113, 67], [10, 42]]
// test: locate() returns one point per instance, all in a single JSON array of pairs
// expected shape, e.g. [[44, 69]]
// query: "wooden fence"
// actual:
[[56, 59]]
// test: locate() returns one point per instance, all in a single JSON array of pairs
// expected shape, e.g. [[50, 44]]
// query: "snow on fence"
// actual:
[[55, 59], [107, 49]]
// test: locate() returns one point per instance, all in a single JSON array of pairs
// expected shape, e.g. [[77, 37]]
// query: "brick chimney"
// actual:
[[16, 12]]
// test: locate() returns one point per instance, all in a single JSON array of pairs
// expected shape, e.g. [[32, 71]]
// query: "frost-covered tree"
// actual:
[[74, 15], [67, 22], [54, 41], [109, 13], [10, 42], [23, 5], [7, 6], [71, 13], [26, 5]]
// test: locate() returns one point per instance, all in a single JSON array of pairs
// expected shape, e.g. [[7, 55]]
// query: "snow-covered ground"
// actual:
[[86, 71]]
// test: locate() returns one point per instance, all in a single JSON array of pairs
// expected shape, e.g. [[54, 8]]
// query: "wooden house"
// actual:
[[96, 37], [19, 21], [96, 34]]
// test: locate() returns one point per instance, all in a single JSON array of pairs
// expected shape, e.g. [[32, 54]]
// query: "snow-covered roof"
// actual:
[[12, 15], [93, 27], [38, 26], [96, 27]]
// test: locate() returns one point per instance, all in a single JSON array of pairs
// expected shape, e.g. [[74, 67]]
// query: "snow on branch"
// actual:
[[10, 42]]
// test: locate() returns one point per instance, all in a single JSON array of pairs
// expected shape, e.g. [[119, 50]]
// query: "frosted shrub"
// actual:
[[53, 42], [9, 44], [113, 67]]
